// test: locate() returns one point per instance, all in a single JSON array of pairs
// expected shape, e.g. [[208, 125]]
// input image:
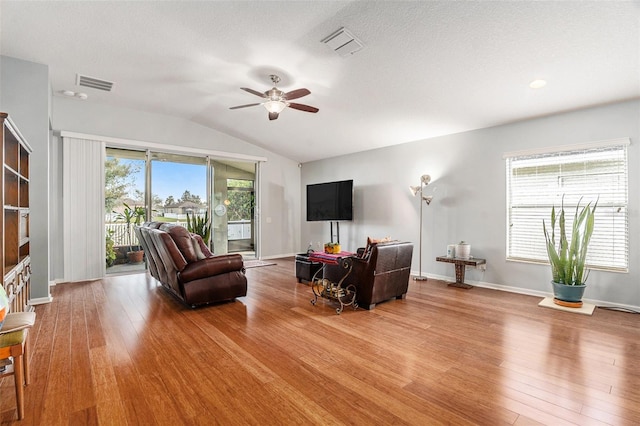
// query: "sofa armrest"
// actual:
[[212, 266]]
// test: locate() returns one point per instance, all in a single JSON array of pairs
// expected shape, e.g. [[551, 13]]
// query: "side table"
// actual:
[[328, 289], [460, 265]]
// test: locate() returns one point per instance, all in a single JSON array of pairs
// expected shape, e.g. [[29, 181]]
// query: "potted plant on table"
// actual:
[[132, 216], [568, 259]]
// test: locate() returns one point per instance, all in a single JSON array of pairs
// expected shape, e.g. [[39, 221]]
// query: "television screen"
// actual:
[[330, 201]]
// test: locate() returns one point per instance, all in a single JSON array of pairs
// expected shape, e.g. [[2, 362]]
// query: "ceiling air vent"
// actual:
[[343, 42], [94, 83]]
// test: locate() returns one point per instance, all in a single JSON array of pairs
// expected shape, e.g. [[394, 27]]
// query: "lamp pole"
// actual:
[[424, 181]]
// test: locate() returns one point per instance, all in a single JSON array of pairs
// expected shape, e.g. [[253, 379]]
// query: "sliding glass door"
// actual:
[[178, 188], [124, 208], [217, 196]]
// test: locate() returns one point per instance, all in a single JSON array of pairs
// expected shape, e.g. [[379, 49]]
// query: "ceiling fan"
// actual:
[[276, 100]]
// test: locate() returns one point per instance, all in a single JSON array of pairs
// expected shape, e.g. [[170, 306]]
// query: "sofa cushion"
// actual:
[[370, 243], [182, 238], [212, 266], [196, 248]]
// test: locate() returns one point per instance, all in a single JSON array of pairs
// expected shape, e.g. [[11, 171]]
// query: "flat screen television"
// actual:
[[330, 201]]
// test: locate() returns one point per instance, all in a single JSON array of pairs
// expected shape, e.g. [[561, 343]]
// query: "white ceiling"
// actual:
[[428, 68]]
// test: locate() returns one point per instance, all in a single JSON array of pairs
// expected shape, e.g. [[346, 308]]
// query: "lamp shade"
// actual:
[[414, 190], [275, 106], [425, 179]]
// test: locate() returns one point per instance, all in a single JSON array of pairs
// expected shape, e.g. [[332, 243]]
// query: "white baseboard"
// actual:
[[529, 292], [40, 301], [278, 256]]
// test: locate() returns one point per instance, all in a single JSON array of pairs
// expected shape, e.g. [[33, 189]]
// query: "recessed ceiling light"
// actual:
[[538, 84]]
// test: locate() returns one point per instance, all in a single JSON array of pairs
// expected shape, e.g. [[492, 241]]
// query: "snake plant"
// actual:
[[200, 225], [568, 259]]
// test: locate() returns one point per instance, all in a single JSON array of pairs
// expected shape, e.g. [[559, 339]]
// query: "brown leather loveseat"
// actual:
[[187, 269], [380, 272]]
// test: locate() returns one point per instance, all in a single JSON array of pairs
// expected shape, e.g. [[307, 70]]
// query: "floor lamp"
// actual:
[[415, 190]]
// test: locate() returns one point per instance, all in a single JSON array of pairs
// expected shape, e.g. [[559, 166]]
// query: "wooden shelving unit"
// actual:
[[14, 221]]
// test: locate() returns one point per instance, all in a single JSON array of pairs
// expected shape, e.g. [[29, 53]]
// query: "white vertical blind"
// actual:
[[538, 181], [83, 209]]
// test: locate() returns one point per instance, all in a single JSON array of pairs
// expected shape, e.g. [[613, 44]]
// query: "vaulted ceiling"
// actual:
[[428, 68]]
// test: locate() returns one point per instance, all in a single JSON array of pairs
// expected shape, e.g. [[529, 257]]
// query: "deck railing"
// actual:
[[236, 230]]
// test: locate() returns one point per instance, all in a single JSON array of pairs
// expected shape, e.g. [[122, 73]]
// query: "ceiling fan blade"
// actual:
[[295, 94], [244, 106], [273, 116], [254, 92], [303, 107]]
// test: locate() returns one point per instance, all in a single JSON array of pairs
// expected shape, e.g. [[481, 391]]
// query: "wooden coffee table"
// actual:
[[461, 264]]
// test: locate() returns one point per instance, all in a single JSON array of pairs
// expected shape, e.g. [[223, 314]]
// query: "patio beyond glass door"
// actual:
[[213, 198], [124, 208]]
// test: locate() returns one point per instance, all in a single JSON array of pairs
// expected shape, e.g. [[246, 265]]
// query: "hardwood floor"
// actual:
[[123, 351]]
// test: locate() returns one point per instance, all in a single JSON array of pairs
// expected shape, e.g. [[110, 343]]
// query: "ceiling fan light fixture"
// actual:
[[275, 106], [538, 84]]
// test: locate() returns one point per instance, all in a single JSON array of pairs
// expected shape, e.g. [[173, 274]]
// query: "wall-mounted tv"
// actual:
[[330, 201]]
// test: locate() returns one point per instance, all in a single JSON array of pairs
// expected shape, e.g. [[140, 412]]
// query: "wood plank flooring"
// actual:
[[122, 351]]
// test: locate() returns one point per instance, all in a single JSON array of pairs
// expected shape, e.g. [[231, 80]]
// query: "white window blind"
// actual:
[[538, 181], [83, 209]]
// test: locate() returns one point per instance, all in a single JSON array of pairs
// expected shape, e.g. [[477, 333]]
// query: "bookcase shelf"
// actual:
[[14, 221]]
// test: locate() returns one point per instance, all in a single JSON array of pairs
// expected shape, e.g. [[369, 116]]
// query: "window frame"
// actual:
[[618, 262]]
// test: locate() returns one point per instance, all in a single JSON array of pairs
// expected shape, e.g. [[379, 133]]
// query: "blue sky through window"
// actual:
[[169, 178]]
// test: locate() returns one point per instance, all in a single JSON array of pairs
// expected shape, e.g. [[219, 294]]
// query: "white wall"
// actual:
[[468, 185], [24, 95]]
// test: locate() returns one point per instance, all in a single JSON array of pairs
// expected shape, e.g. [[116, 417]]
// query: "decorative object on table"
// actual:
[[568, 259], [415, 190], [463, 250], [451, 250], [332, 248]]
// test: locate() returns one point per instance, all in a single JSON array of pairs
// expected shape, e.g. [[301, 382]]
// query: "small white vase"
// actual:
[[463, 250]]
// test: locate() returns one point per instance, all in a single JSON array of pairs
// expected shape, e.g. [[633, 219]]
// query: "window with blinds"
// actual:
[[537, 181]]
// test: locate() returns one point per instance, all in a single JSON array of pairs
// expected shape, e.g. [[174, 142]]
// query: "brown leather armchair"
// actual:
[[187, 269], [380, 274]]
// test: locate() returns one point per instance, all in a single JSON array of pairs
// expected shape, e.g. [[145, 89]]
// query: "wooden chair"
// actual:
[[14, 344]]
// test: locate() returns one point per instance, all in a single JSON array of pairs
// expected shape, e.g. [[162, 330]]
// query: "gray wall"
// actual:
[[468, 185], [24, 95]]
